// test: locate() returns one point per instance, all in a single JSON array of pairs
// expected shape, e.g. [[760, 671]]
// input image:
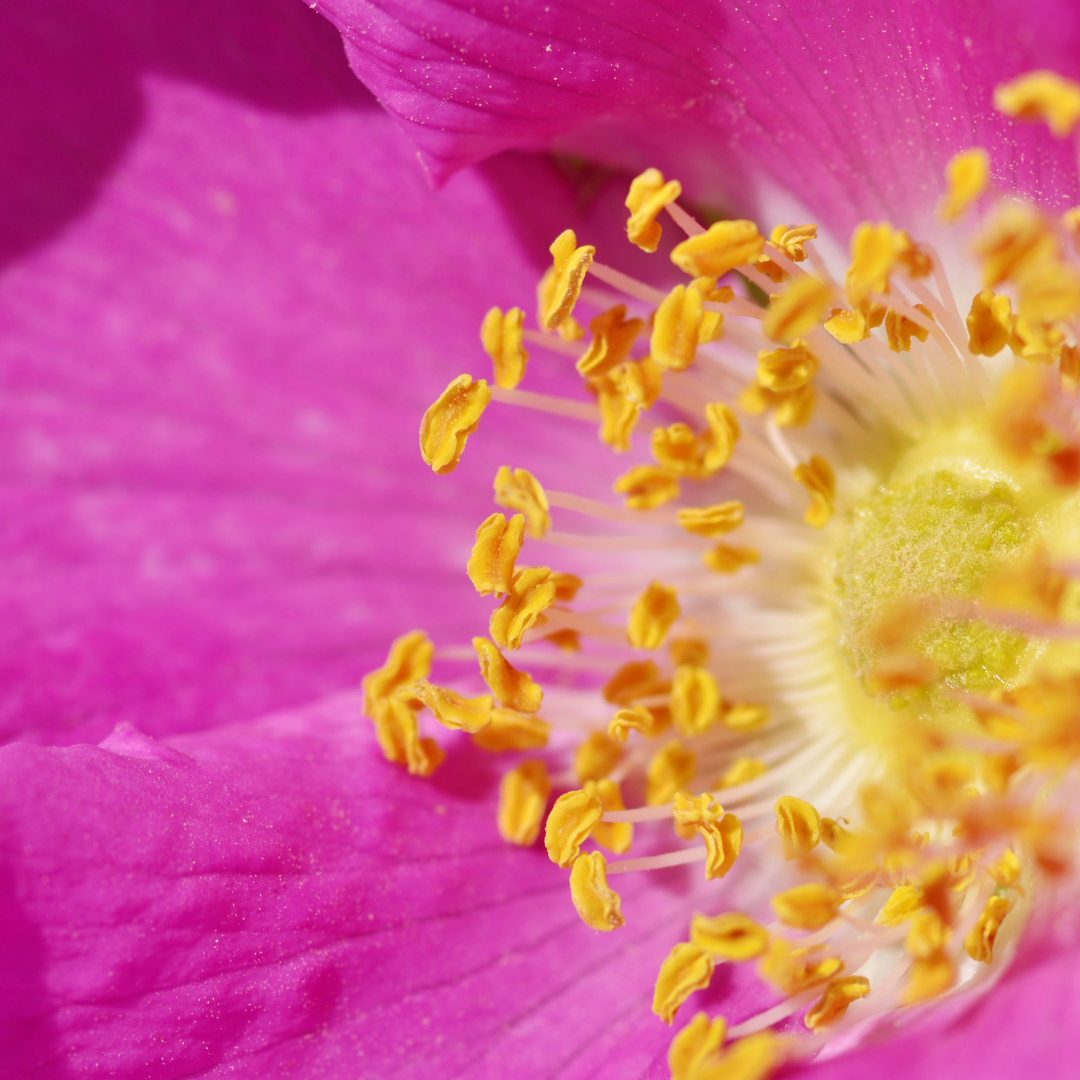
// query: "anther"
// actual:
[[647, 486], [613, 337], [502, 338], [721, 248], [510, 730], [797, 310], [498, 544], [616, 836], [1041, 96], [799, 826], [653, 614], [732, 936], [409, 659], [687, 968], [832, 1005], [966, 175], [596, 903], [820, 483], [783, 370], [512, 688], [452, 709], [531, 592], [518, 489], [569, 824], [523, 796], [648, 196], [453, 417], [807, 907], [562, 283], [712, 521]]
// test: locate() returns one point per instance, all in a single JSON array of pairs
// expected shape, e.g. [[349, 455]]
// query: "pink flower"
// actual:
[[227, 296]]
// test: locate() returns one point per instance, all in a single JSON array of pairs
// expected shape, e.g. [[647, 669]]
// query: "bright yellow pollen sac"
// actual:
[[723, 434], [732, 936], [399, 738], [725, 559], [518, 489], [596, 903], [989, 323], [791, 240], [639, 382], [1041, 96], [782, 370], [616, 836], [409, 659], [902, 904], [979, 944], [648, 196], [531, 592], [1049, 292], [695, 810], [452, 709], [568, 825], [930, 977], [723, 842], [744, 716], [914, 258], [693, 1052], [502, 338], [510, 730], [677, 449], [721, 248], [899, 329], [1016, 239], [671, 768], [689, 651], [596, 756], [695, 699], [613, 337], [635, 679], [678, 327], [450, 421], [687, 968], [927, 934], [795, 970], [636, 718], [756, 1057], [652, 616], [832, 1005], [618, 414], [848, 327], [498, 544], [873, 255], [797, 310], [523, 796], [966, 175], [647, 486], [742, 771], [562, 283], [512, 688], [799, 826], [1006, 870], [712, 521], [818, 479], [807, 907]]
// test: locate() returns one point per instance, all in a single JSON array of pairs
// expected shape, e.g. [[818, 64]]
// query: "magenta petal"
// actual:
[[855, 110]]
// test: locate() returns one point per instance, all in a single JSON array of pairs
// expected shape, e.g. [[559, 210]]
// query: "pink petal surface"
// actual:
[[854, 108]]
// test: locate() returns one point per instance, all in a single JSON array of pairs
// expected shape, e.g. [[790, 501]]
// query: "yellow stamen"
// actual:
[[695, 810], [966, 175], [687, 968], [523, 796], [796, 970], [818, 479], [807, 907], [899, 329], [927, 934], [791, 240], [618, 414], [566, 586], [911, 256], [562, 283], [647, 486], [689, 651], [1049, 292], [721, 438], [409, 659], [510, 730], [695, 699], [754, 1058], [653, 614], [1069, 367], [453, 417], [989, 323], [648, 196], [902, 904], [743, 716], [693, 1052], [519, 490], [1016, 239], [725, 559], [613, 336], [596, 756], [399, 738], [848, 327], [742, 772], [930, 977], [1006, 870], [671, 768], [636, 718], [512, 688], [677, 448], [832, 1005], [783, 370], [723, 842], [452, 709], [724, 246], [873, 254], [797, 310], [616, 836], [568, 825], [597, 904], [502, 338], [799, 826], [732, 936], [498, 544], [979, 944], [636, 679], [641, 382], [531, 592], [1041, 96], [682, 323], [712, 521]]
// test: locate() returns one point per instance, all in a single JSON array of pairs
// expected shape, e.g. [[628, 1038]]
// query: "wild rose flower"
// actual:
[[228, 298]]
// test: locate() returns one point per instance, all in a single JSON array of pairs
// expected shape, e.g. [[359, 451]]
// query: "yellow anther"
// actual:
[[523, 796], [695, 809], [616, 836], [510, 730], [618, 414], [689, 651], [756, 1057], [835, 837], [695, 699], [450, 421], [902, 904], [640, 382], [723, 842], [1050, 292], [569, 329], [561, 285], [498, 544], [979, 944], [566, 640], [636, 679], [568, 825], [832, 1005], [686, 968], [799, 826], [694, 1051], [712, 521], [452, 709], [743, 716], [613, 335], [772, 270], [1016, 239], [724, 246], [732, 936], [796, 970], [596, 903], [652, 616], [677, 449], [966, 175], [1035, 341], [399, 737], [512, 688], [635, 718], [1041, 96], [873, 255], [930, 977], [818, 479], [1069, 367], [531, 592], [409, 659], [807, 907], [797, 310], [682, 323], [648, 196], [596, 756], [848, 327], [790, 239], [721, 437], [502, 337], [518, 489], [927, 935], [783, 370], [672, 768], [742, 771], [725, 559], [915, 259], [1006, 869], [989, 323], [647, 486], [899, 329]]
